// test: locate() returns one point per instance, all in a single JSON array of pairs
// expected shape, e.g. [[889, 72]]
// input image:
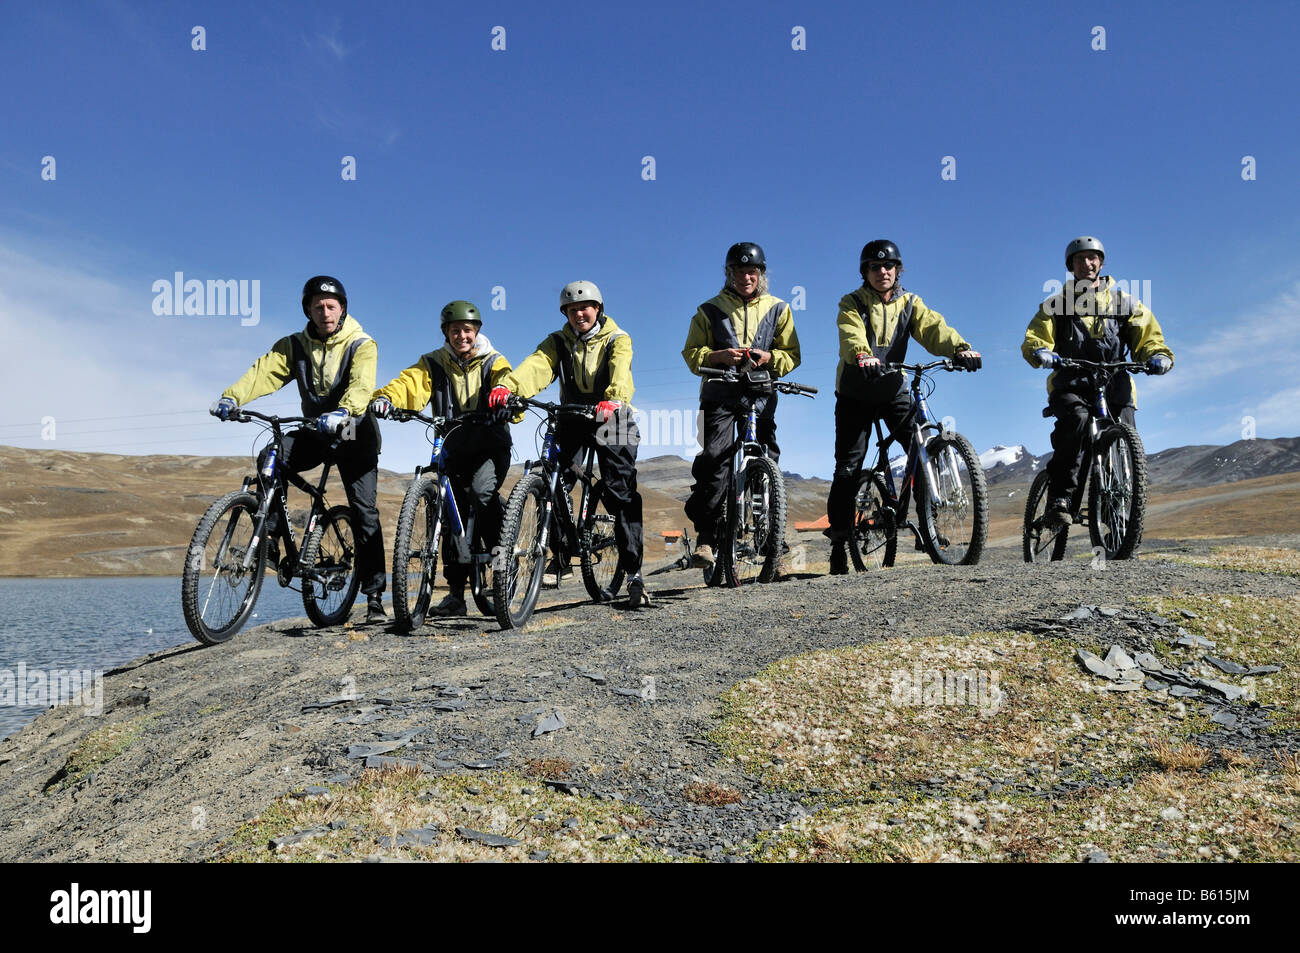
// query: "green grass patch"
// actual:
[[369, 817], [1229, 815], [880, 720], [1269, 559], [987, 715], [97, 749], [1248, 630]]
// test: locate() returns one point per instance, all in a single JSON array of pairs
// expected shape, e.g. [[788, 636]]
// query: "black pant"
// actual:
[[477, 462], [853, 430], [616, 444], [358, 468], [717, 438], [1071, 410]]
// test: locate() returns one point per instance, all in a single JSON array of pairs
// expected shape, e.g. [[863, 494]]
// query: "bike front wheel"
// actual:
[[521, 557], [758, 531], [329, 568], [415, 552], [602, 571], [1117, 496], [1042, 539], [954, 513], [873, 541], [223, 569]]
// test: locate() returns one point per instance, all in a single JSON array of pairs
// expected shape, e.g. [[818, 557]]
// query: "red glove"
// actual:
[[871, 365], [498, 396], [606, 409]]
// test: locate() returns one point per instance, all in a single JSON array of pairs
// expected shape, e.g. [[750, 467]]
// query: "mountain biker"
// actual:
[[333, 362], [592, 357], [455, 380], [875, 322], [1092, 319], [744, 327]]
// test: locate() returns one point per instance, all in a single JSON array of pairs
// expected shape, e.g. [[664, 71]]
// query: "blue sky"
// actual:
[[523, 168]]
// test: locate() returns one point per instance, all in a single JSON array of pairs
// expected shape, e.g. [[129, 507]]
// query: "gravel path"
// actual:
[[224, 729]]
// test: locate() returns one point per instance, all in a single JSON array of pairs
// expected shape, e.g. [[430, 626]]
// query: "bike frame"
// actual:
[[462, 527], [272, 487], [917, 455], [1099, 419], [558, 516]]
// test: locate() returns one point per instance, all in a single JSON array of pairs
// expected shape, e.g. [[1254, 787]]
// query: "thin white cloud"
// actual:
[[84, 347]]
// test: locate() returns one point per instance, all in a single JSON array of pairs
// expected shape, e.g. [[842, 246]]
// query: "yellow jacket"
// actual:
[[599, 368], [319, 372], [1099, 315], [746, 323], [882, 326], [413, 388]]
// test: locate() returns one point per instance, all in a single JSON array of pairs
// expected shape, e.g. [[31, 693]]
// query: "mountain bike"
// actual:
[[945, 475], [540, 527], [428, 507], [750, 531], [1115, 479], [225, 563]]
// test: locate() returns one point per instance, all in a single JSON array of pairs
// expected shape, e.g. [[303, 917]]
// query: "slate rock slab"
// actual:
[[488, 840], [1119, 659], [1226, 666], [552, 722], [331, 702]]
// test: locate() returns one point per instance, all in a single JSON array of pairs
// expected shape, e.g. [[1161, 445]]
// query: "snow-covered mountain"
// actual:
[[1001, 455]]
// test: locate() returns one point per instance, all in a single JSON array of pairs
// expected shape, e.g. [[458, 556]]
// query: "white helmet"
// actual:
[[1083, 243], [578, 291]]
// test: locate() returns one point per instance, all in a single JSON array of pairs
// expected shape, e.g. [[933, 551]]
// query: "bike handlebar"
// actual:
[[516, 402], [477, 416], [1105, 365], [946, 363], [730, 376], [243, 415]]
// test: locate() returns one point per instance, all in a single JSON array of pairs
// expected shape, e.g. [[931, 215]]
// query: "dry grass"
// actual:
[[1179, 757], [935, 779], [1172, 817], [899, 712], [547, 767], [714, 795], [1236, 759], [377, 816], [1269, 559], [1249, 630]]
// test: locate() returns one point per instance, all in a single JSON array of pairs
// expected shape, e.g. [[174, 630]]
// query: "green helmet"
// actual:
[[460, 311]]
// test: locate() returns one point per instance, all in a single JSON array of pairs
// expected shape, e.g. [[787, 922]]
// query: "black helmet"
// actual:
[[746, 253], [323, 285], [882, 249], [460, 311]]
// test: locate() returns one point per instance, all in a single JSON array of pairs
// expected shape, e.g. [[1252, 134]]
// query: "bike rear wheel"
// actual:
[[873, 541], [955, 526], [329, 568], [1117, 494], [517, 580], [754, 552], [602, 571], [415, 552], [218, 589], [1042, 540]]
